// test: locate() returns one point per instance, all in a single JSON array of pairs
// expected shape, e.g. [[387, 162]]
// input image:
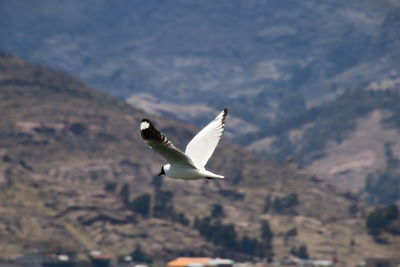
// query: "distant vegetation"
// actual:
[[383, 186], [225, 235], [281, 204], [138, 255], [211, 227], [159, 206], [384, 219], [290, 233], [141, 205], [332, 121], [300, 251], [217, 211]]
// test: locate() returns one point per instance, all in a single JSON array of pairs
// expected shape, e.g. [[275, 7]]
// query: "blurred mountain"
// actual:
[[352, 141], [267, 60], [283, 68], [75, 175]]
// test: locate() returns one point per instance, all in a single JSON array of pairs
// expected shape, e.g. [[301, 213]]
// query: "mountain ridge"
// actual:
[[267, 61], [73, 169], [343, 141]]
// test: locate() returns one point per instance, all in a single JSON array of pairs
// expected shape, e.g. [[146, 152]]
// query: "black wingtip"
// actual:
[[148, 132], [224, 115]]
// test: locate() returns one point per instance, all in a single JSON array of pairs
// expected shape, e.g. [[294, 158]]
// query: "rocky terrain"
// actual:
[[75, 175], [267, 60], [275, 64], [348, 141]]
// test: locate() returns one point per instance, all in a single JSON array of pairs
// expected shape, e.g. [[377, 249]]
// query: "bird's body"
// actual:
[[191, 164], [188, 173]]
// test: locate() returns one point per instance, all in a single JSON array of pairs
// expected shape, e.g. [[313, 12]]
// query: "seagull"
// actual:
[[188, 165]]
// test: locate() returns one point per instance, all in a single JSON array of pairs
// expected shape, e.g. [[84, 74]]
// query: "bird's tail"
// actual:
[[210, 175]]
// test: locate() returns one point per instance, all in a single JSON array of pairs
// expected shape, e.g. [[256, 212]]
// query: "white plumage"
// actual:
[[191, 164]]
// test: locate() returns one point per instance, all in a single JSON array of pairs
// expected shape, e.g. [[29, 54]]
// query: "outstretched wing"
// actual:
[[160, 143], [202, 146]]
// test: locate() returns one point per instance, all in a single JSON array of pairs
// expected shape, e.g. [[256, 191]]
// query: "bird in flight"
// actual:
[[188, 165]]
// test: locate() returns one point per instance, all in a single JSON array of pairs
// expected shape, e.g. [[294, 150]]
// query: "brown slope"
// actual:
[[62, 143]]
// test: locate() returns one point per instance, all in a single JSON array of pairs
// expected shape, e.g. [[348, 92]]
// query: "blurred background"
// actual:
[[310, 153]]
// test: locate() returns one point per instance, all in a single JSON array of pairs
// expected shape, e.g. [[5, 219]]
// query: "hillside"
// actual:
[[76, 175], [266, 60], [349, 141]]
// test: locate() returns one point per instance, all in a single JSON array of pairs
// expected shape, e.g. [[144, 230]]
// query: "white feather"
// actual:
[[144, 125], [202, 146]]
